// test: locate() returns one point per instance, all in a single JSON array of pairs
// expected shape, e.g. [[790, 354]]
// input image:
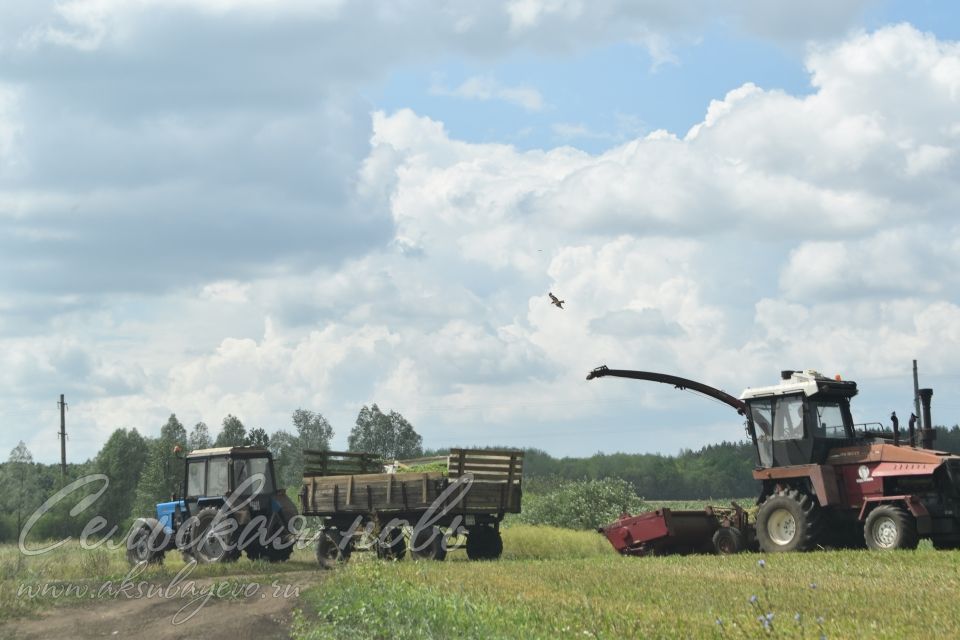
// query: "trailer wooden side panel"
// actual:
[[367, 493]]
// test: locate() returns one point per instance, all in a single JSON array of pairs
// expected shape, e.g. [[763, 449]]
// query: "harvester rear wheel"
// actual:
[[890, 527], [789, 521], [945, 542], [728, 540]]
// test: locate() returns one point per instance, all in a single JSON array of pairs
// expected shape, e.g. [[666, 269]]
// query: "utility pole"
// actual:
[[63, 439]]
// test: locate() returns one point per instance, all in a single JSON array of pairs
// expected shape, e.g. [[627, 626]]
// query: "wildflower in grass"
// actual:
[[813, 585], [753, 599], [719, 622], [761, 563]]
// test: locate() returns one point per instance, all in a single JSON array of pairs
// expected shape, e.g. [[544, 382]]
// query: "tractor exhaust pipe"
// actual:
[[927, 433], [896, 428], [912, 429]]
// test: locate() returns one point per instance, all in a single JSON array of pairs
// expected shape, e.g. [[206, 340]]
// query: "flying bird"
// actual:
[[556, 301]]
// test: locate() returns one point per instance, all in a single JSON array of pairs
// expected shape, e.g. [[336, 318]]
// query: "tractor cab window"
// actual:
[[788, 418], [829, 421], [196, 481], [761, 415], [217, 477], [246, 468]]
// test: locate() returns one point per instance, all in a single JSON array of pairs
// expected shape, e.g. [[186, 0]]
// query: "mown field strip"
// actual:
[[570, 592]]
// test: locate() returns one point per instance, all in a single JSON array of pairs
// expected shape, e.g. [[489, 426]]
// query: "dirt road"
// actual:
[[262, 611]]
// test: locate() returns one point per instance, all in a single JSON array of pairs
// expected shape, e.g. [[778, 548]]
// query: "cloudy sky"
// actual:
[[249, 206]]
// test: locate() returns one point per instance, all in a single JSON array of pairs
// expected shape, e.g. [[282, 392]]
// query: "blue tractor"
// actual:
[[230, 505]]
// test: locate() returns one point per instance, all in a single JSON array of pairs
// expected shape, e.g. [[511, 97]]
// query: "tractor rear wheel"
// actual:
[[789, 521], [213, 539], [728, 540], [484, 543], [890, 527], [427, 544], [332, 548]]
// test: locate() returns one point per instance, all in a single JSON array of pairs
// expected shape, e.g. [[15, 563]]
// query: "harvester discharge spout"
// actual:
[[676, 381]]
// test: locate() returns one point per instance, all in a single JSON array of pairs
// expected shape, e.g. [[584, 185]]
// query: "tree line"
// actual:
[[143, 471]]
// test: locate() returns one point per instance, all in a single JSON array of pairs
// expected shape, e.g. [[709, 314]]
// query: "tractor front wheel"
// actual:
[[213, 539], [789, 521], [146, 542], [890, 527]]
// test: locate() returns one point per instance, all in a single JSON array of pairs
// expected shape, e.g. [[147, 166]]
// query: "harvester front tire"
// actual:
[[728, 541], [789, 521], [890, 527]]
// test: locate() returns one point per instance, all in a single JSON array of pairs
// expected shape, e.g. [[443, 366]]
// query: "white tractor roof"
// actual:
[[799, 382]]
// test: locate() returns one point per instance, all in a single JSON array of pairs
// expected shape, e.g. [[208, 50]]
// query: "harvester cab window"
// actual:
[[246, 468], [217, 477], [761, 414], [788, 418], [830, 422]]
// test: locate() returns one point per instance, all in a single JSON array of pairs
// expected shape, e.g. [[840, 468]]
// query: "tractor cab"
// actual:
[[213, 475], [801, 419]]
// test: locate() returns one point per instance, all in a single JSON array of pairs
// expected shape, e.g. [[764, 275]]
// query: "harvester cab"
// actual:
[[230, 504], [801, 419]]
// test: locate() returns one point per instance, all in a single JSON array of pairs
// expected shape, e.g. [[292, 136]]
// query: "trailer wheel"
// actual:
[[332, 549], [146, 542], [728, 540], [484, 543], [789, 521], [427, 544], [890, 527], [391, 545]]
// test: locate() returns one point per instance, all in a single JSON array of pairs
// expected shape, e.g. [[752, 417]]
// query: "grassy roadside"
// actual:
[[599, 594], [72, 576]]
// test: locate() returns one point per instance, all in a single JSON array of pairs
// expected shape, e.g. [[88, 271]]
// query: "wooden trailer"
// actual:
[[358, 500]]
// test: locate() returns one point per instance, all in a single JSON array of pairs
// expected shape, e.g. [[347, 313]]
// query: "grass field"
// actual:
[[560, 583], [556, 583]]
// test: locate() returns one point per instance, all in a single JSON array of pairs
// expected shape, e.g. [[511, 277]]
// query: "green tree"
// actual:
[[258, 438], [313, 430], [163, 471], [122, 460], [233, 433], [199, 437], [21, 483], [389, 435], [286, 454]]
